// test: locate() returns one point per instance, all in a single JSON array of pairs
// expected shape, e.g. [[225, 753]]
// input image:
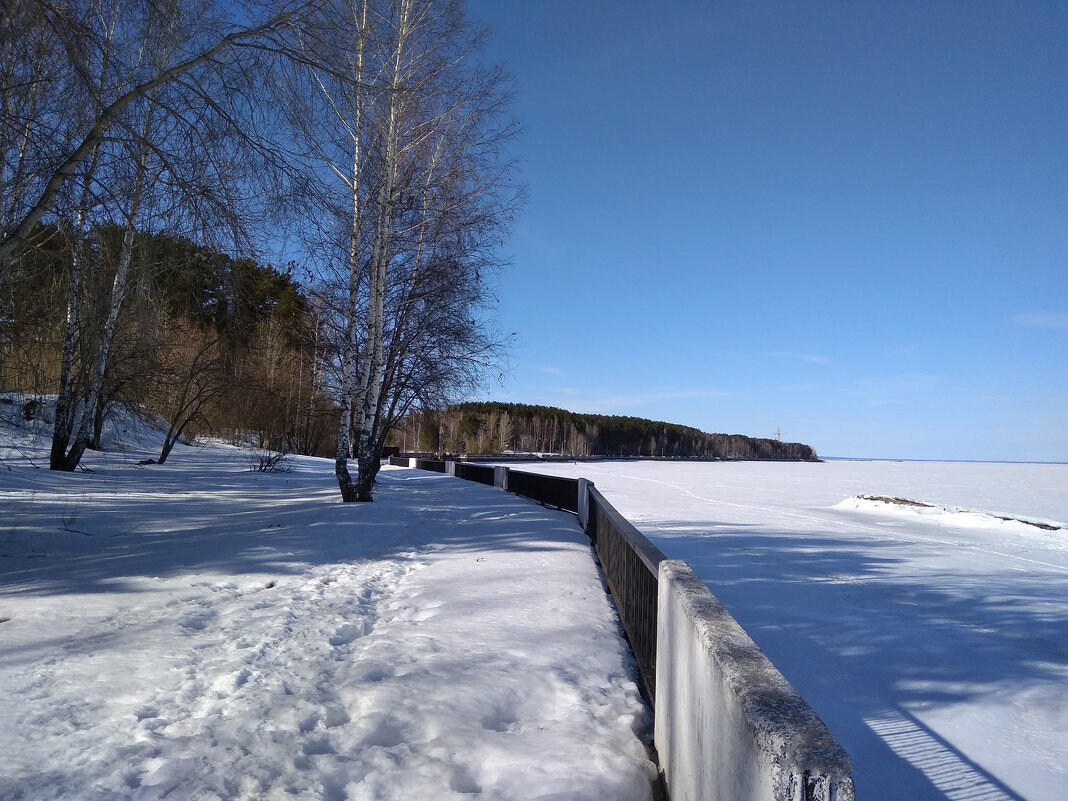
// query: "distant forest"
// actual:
[[496, 428]]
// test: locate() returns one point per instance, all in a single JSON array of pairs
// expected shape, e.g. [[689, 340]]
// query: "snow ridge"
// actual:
[[947, 515]]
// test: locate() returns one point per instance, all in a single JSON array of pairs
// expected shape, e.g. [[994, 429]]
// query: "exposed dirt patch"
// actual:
[[1043, 526], [909, 502], [896, 501]]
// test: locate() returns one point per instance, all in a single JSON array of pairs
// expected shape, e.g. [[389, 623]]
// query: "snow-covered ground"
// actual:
[[932, 640], [194, 630]]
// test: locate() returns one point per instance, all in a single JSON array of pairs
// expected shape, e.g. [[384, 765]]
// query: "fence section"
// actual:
[[553, 490], [430, 464], [728, 725], [630, 564], [483, 474], [434, 465]]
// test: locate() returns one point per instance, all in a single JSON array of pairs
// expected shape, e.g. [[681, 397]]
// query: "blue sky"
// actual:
[[844, 221]]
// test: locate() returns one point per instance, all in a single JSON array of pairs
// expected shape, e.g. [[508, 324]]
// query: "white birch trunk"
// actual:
[[66, 403], [118, 295], [350, 350], [64, 417], [373, 368]]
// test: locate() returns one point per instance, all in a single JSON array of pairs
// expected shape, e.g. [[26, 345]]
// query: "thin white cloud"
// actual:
[[797, 388], [550, 370], [1041, 319]]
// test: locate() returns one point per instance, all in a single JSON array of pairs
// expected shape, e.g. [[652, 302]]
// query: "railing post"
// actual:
[[584, 504], [500, 477]]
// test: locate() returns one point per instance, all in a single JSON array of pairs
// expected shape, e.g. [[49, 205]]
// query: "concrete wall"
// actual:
[[500, 477], [728, 725], [584, 503]]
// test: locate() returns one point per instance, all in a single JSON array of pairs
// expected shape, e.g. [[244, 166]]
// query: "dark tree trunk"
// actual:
[[168, 444], [344, 480], [98, 425], [368, 465]]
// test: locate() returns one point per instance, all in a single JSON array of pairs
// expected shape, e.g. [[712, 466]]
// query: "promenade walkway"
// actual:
[[194, 630]]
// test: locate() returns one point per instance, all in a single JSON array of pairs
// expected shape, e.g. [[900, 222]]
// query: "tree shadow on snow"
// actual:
[[94, 534]]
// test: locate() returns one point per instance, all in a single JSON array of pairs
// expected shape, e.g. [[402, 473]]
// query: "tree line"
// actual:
[[153, 153], [499, 428]]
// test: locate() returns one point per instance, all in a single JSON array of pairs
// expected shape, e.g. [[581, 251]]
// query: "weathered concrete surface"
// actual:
[[729, 727]]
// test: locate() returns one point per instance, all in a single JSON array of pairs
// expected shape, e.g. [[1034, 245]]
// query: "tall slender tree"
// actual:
[[140, 98], [413, 190]]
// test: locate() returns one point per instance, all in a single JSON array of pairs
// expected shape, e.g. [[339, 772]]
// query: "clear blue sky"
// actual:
[[847, 221]]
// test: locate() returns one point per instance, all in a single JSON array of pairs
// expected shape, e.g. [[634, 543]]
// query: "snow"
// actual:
[[195, 630], [932, 640]]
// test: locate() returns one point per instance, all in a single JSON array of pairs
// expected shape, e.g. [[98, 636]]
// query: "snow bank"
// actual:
[[196, 630], [909, 509]]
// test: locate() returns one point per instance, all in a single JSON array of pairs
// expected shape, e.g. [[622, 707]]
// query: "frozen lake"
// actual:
[[933, 641]]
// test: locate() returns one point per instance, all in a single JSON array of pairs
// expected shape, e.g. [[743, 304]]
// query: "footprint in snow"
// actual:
[[371, 671], [336, 716], [146, 712], [196, 621], [347, 633], [381, 730], [318, 746]]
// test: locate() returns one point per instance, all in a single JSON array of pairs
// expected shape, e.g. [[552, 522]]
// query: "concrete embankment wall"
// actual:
[[727, 723]]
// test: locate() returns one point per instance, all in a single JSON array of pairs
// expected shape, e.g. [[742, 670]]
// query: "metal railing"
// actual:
[[631, 564], [435, 465], [552, 490], [483, 474]]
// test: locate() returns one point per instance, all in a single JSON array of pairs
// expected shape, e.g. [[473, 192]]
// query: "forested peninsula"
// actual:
[[501, 428]]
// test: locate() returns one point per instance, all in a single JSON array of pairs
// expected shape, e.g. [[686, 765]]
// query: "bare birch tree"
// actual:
[[137, 116], [413, 189], [136, 94]]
